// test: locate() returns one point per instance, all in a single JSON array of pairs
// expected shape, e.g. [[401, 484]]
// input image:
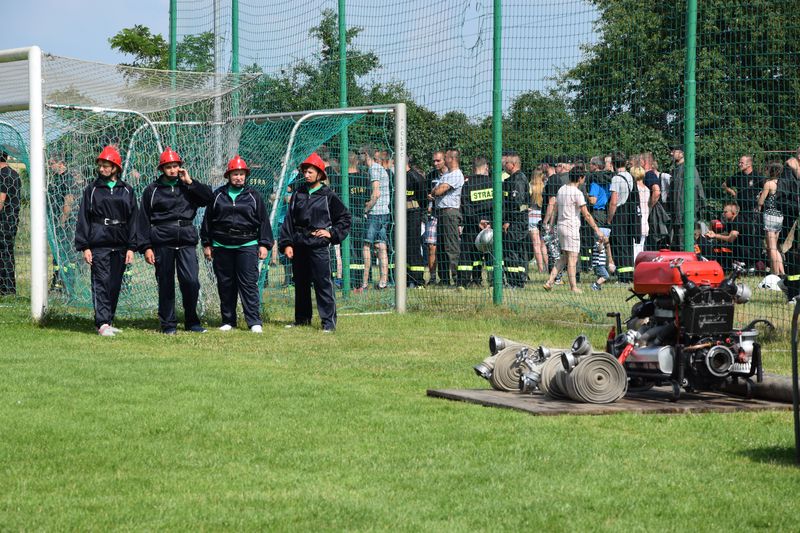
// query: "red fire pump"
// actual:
[[681, 330]]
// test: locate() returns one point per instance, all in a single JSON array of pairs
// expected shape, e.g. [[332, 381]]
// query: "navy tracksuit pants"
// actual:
[[313, 265], [237, 275], [183, 260], [108, 267]]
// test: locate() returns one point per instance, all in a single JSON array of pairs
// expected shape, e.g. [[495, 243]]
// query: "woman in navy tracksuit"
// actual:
[[168, 239], [106, 234], [316, 218], [236, 233]]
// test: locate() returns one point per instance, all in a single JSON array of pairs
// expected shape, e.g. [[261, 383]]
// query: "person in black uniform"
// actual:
[[360, 190], [415, 200], [10, 190], [168, 238], [236, 234], [60, 183], [106, 235], [316, 219], [476, 212], [517, 248]]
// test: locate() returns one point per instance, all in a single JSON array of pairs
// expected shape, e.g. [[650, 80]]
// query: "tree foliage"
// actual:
[[748, 85], [627, 93], [151, 50], [314, 83]]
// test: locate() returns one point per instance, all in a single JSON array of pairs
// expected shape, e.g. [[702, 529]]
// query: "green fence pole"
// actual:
[[497, 154], [173, 60], [343, 142], [235, 53], [689, 120]]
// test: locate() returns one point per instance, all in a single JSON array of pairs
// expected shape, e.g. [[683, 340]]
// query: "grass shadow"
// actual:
[[85, 324], [774, 455]]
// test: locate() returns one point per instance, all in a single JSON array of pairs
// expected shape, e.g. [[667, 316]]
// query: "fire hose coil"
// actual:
[[553, 375], [507, 370], [598, 378]]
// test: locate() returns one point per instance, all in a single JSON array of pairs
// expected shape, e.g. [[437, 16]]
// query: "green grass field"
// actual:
[[296, 430]]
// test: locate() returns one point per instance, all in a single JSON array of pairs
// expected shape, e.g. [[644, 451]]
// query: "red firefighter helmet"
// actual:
[[169, 156], [237, 163], [111, 155], [314, 161]]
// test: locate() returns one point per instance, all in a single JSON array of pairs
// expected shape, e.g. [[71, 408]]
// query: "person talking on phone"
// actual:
[[168, 238]]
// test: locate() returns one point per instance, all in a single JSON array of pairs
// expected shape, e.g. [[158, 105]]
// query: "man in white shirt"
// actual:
[[447, 196]]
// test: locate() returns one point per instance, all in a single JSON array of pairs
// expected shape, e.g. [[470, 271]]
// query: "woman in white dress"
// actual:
[[571, 204]]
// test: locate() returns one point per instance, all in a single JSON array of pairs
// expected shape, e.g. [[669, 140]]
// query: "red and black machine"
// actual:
[[681, 330]]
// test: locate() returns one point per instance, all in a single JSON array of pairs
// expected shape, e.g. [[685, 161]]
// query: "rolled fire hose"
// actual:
[[551, 370], [598, 378], [505, 376], [497, 343]]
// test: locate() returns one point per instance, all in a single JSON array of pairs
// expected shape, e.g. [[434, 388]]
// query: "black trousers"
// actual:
[[516, 255], [414, 258], [8, 235], [470, 260], [448, 244], [313, 265], [237, 275], [184, 261], [623, 234], [791, 264], [108, 267]]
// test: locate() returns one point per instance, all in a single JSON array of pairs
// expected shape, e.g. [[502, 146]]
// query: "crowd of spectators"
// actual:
[[633, 205]]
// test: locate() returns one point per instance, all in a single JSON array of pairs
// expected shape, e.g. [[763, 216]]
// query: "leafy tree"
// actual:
[[630, 86], [314, 83], [195, 52], [149, 50]]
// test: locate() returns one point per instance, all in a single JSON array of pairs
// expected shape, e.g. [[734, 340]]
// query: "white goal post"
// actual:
[[34, 104], [28, 104], [400, 158]]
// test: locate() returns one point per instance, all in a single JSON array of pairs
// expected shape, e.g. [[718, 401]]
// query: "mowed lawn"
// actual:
[[296, 430]]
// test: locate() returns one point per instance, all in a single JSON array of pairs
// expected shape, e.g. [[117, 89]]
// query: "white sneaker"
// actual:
[[225, 327], [115, 330], [256, 329], [105, 330]]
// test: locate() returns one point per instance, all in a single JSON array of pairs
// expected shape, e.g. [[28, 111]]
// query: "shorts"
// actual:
[[601, 271], [773, 222], [430, 231], [534, 217], [376, 228]]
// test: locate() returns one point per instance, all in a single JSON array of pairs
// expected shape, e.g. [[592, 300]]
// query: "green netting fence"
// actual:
[[580, 80]]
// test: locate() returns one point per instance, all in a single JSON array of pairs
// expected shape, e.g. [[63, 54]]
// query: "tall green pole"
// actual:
[[173, 59], [173, 35], [235, 53], [343, 141], [688, 133], [497, 153]]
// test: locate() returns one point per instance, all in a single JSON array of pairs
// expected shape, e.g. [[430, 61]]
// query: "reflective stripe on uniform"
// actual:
[[793, 277], [624, 269], [416, 268], [467, 268]]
